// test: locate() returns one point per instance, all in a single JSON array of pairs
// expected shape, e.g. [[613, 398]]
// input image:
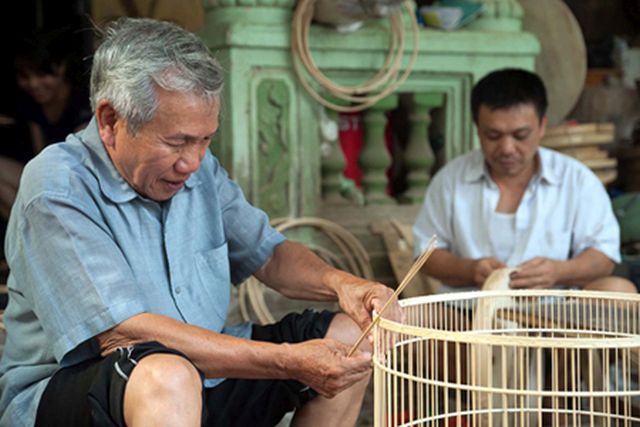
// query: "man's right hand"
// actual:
[[323, 365], [483, 267]]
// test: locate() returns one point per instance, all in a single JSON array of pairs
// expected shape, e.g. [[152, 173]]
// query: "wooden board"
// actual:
[[571, 129], [601, 163], [577, 139], [585, 153], [562, 62]]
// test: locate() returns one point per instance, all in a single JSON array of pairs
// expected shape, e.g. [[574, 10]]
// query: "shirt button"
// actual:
[[178, 290]]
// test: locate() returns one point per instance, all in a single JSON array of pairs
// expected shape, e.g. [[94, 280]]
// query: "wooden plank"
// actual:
[[585, 153], [601, 163], [578, 139], [571, 129]]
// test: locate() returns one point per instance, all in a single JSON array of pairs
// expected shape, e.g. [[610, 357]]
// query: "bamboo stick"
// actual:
[[417, 265]]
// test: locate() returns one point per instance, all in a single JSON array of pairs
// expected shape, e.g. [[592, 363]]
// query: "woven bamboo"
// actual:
[[543, 358]]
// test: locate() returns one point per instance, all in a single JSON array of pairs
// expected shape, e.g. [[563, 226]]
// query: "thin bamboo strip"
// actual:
[[417, 265]]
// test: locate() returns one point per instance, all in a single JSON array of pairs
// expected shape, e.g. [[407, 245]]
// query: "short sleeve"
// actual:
[[434, 216], [595, 223], [251, 239]]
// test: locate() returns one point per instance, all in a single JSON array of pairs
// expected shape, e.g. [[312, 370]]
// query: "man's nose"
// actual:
[[189, 160], [507, 145]]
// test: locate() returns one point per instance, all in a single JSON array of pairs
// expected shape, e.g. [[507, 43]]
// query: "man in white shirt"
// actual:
[[512, 203]]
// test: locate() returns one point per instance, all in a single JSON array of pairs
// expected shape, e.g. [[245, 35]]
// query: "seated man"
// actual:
[[122, 244], [513, 203]]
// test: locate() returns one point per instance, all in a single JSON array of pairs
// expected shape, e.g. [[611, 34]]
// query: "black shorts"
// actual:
[[92, 393]]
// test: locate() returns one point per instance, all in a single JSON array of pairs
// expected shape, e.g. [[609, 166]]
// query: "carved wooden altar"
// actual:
[[270, 136]]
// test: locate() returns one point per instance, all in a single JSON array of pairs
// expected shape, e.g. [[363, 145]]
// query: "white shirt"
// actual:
[[564, 211], [503, 234]]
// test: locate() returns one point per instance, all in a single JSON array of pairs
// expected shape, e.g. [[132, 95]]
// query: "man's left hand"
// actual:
[[359, 297], [537, 273]]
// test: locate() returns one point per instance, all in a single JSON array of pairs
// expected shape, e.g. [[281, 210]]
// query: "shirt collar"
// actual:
[[547, 173], [112, 184], [477, 168]]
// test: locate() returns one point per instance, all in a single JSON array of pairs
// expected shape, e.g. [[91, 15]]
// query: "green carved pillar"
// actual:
[[374, 159], [333, 161], [274, 157], [499, 15], [418, 156]]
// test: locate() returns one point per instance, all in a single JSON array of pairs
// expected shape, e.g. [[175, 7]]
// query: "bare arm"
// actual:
[[457, 271], [321, 364], [296, 272], [542, 272]]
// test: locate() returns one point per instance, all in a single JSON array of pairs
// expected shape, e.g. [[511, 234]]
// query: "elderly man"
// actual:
[[513, 203], [122, 244]]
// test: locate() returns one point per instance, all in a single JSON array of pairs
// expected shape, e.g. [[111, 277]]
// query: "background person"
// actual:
[[514, 203], [54, 97]]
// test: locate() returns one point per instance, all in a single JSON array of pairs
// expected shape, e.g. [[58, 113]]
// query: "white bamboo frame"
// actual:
[[555, 357]]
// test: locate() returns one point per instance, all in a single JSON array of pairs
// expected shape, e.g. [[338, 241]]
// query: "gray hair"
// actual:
[[138, 54]]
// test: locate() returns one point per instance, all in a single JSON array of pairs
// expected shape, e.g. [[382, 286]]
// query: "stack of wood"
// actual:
[[585, 142]]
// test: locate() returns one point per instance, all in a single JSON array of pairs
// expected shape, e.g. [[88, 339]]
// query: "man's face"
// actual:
[[164, 153], [510, 138], [43, 87]]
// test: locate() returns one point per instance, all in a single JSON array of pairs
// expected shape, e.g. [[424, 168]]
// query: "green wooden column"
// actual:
[[333, 161], [374, 159], [418, 155]]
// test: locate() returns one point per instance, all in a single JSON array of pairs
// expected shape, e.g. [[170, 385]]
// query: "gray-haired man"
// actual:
[[122, 244]]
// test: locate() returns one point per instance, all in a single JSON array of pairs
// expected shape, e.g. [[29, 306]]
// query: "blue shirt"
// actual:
[[564, 211], [87, 252]]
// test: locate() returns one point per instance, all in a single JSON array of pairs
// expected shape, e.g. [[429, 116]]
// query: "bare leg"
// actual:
[[163, 390], [611, 284], [343, 409]]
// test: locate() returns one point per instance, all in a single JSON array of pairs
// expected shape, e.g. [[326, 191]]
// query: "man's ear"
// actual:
[[543, 126], [108, 122]]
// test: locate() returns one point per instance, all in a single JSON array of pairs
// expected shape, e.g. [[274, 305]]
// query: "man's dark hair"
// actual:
[[41, 51], [508, 88]]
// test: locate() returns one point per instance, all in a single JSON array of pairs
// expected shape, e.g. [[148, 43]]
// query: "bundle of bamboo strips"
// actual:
[[586, 142]]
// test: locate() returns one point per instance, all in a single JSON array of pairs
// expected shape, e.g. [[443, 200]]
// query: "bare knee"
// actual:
[[165, 383], [344, 329], [167, 371], [612, 284]]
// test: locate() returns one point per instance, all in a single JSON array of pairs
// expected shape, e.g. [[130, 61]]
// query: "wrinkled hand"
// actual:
[[483, 267], [537, 273], [323, 365], [359, 297]]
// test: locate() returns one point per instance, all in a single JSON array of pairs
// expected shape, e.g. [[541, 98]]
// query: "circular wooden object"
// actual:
[[562, 62]]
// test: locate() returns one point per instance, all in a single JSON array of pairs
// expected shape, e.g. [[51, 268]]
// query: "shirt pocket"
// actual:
[[212, 289], [556, 245]]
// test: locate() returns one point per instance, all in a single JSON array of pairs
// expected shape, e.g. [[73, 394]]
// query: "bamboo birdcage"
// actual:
[[510, 358]]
